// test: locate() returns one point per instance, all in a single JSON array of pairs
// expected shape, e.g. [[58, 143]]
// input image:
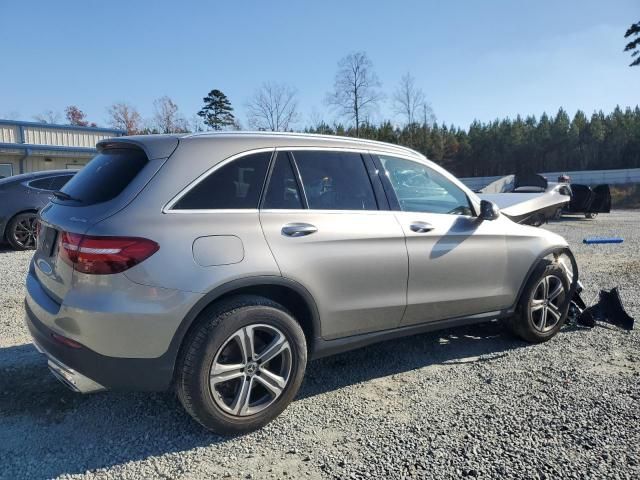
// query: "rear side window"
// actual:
[[106, 175], [236, 185], [58, 182], [41, 184], [335, 180], [282, 192], [51, 183]]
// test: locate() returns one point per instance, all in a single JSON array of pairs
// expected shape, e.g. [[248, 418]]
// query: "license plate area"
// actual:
[[47, 240]]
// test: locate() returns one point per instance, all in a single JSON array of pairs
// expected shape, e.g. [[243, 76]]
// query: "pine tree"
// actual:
[[217, 111]]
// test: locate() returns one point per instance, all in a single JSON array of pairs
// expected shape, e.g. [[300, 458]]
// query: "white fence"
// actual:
[[586, 177]]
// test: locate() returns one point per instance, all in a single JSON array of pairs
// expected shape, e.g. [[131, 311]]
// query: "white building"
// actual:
[[30, 146]]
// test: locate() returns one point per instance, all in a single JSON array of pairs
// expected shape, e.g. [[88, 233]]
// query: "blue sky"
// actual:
[[474, 59]]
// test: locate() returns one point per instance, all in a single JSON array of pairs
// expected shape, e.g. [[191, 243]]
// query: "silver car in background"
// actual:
[[219, 263]]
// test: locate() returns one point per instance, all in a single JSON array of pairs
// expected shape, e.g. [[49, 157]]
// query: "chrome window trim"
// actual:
[[168, 208]]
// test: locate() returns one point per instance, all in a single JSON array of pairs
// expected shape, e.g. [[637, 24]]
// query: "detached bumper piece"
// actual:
[[609, 309]]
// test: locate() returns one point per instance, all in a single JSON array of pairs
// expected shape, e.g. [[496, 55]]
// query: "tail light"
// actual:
[[104, 255]]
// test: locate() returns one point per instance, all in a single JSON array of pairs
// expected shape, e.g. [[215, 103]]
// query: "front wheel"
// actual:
[[591, 215], [242, 365], [543, 306]]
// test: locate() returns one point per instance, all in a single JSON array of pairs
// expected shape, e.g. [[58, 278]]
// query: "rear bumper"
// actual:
[[85, 371], [67, 375]]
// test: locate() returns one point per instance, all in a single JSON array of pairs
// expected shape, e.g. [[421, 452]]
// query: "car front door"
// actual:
[[457, 261], [326, 220]]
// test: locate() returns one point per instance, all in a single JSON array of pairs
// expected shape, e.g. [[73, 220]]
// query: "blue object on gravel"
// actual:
[[590, 241]]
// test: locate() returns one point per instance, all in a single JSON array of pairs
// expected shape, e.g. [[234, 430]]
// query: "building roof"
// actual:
[[19, 137]]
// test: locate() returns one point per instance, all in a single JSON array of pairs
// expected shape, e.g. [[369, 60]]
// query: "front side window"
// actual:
[[422, 189], [236, 185], [335, 180]]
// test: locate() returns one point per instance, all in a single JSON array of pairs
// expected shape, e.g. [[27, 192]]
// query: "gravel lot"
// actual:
[[465, 402]]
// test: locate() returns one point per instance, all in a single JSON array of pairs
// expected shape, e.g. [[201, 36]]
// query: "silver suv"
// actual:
[[218, 263]]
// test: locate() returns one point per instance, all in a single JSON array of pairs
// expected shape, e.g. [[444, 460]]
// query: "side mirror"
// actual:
[[489, 210]]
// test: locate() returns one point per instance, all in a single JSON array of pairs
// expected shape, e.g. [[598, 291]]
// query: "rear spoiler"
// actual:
[[154, 146]]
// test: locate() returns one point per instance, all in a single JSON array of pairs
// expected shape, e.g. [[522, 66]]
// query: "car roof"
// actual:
[[34, 175], [162, 146]]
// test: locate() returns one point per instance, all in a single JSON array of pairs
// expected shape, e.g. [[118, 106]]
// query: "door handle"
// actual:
[[421, 227], [298, 229]]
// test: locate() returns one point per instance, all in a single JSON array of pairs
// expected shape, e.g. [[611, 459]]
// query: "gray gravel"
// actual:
[[465, 402]]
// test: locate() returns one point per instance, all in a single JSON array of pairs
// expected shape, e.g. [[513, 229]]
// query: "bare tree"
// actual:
[[48, 116], [355, 90], [166, 117], [125, 117], [410, 102], [274, 106]]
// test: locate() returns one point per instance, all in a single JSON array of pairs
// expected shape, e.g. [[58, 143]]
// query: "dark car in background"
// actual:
[[589, 201], [21, 197]]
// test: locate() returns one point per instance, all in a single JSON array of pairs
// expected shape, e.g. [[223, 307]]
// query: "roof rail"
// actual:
[[338, 138]]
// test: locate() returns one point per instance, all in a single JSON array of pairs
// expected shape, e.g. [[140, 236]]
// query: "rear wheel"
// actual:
[[242, 365], [590, 215], [21, 231], [543, 306]]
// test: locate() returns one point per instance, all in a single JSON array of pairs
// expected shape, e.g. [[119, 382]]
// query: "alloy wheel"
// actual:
[[250, 370], [545, 304], [24, 232]]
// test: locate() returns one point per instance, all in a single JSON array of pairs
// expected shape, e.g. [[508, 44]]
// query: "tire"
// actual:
[[558, 214], [590, 215], [536, 321], [21, 231], [216, 343]]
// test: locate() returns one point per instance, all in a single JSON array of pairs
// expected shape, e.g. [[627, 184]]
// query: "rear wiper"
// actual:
[[64, 196]]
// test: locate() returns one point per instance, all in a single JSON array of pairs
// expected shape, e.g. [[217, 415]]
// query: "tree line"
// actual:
[[510, 145]]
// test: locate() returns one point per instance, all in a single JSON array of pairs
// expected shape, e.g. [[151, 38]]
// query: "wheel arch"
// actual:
[[289, 293], [556, 250]]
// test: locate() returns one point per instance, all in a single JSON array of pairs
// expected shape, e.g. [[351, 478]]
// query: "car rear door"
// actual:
[[326, 219], [457, 262], [601, 199], [581, 198]]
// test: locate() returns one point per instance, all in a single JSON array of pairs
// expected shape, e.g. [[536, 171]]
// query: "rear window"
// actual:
[[106, 175]]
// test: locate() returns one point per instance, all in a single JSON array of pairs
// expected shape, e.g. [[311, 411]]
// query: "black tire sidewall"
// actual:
[[524, 325], [202, 405]]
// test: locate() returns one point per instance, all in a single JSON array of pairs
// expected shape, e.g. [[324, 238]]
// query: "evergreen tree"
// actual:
[[217, 111], [633, 34]]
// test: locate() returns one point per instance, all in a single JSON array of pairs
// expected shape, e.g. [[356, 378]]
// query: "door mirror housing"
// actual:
[[489, 210]]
